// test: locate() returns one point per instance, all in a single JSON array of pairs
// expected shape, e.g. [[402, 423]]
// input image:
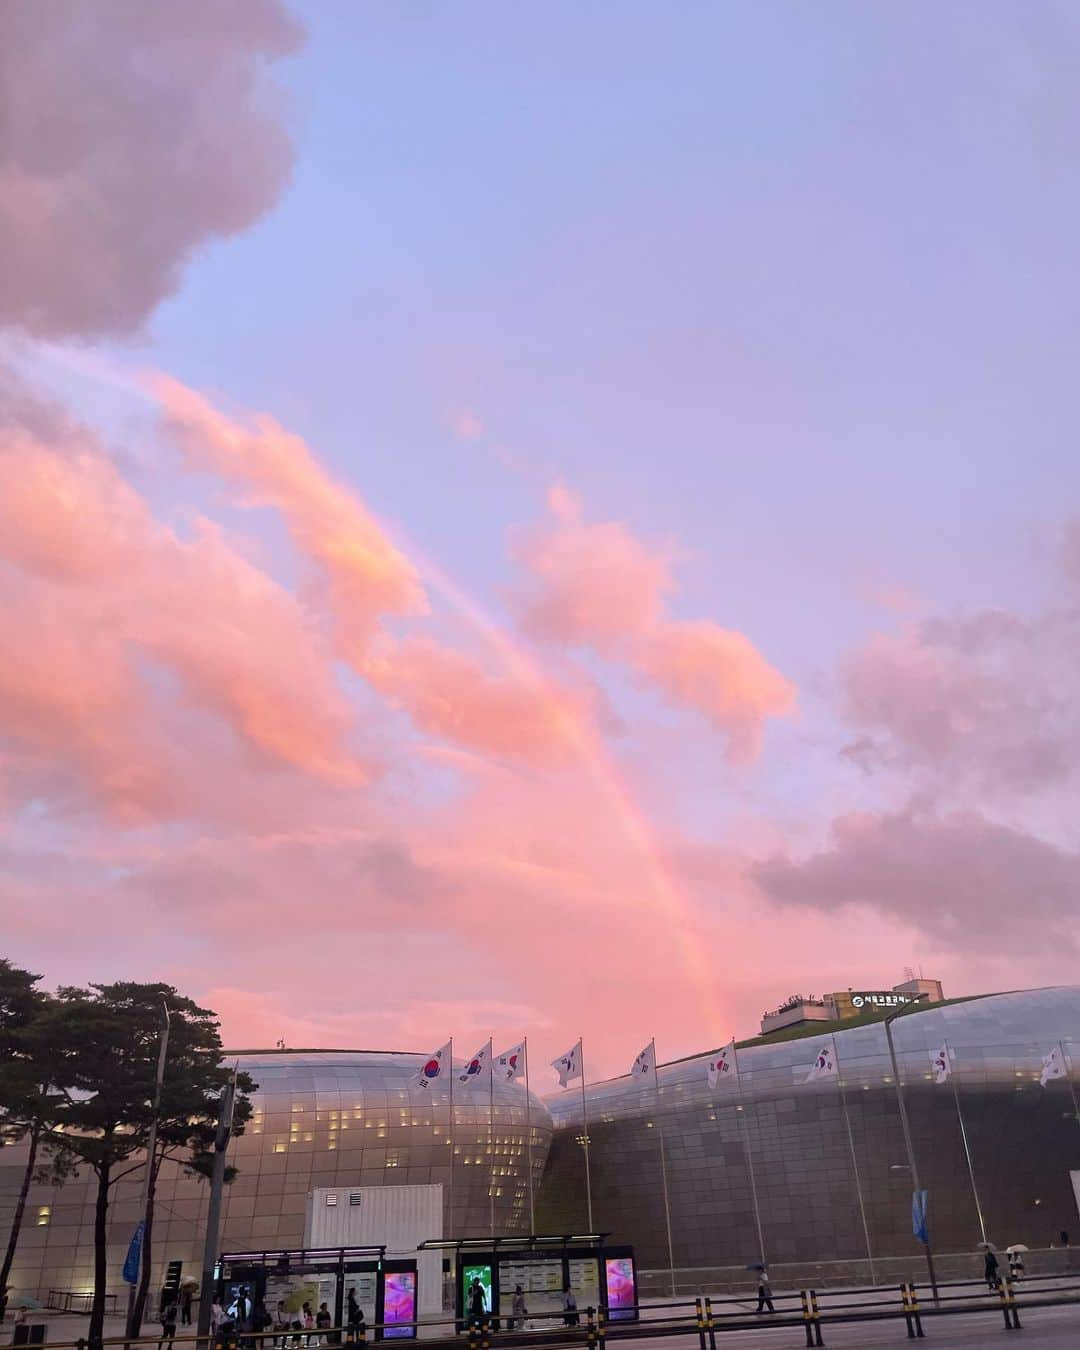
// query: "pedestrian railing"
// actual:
[[705, 1318]]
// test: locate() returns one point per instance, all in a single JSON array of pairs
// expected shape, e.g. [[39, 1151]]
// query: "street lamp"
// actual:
[[917, 1189]]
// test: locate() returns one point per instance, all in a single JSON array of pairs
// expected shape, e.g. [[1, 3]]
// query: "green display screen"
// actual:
[[471, 1275]]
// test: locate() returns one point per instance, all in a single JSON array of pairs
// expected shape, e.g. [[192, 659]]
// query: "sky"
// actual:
[[557, 521]]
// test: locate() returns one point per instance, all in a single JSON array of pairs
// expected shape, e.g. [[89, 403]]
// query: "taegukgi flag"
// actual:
[[569, 1065], [941, 1063], [433, 1068], [478, 1068], [1053, 1066], [511, 1063], [825, 1064], [723, 1065], [645, 1064]]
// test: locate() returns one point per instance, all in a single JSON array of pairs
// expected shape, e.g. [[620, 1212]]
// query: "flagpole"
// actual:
[[491, 1131], [1066, 1064], [452, 1138], [528, 1138], [585, 1134], [740, 1110], [854, 1162], [663, 1169], [964, 1138]]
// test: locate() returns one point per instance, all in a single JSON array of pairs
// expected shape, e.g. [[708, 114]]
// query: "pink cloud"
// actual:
[[367, 574], [450, 694], [168, 134], [119, 595], [598, 586]]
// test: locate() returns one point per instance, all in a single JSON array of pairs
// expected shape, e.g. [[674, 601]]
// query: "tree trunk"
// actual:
[[139, 1306], [101, 1273], [20, 1206]]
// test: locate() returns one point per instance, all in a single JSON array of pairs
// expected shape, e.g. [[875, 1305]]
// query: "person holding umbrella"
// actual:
[[1015, 1253], [764, 1289]]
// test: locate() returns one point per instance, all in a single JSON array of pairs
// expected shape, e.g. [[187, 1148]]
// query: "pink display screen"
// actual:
[[399, 1303], [619, 1271]]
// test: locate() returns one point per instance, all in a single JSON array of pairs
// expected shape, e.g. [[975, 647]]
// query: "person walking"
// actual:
[[764, 1292], [167, 1318], [282, 1324], [187, 1296], [990, 1269], [354, 1317], [570, 1312], [308, 1319], [217, 1314], [518, 1309], [477, 1306], [324, 1322]]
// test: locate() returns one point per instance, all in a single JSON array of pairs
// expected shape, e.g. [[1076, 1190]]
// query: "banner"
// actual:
[[722, 1065], [568, 1066], [645, 1065], [433, 1069], [918, 1214], [133, 1260]]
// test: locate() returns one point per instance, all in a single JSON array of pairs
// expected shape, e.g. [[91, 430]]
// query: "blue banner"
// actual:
[[918, 1214], [134, 1257]]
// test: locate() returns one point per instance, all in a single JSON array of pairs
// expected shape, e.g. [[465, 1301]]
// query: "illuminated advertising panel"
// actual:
[[399, 1303], [619, 1281]]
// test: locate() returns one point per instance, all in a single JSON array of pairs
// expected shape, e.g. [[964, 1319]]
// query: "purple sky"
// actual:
[[783, 297]]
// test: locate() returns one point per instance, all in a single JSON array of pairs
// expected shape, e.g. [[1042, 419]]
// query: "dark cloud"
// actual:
[[962, 879], [131, 132]]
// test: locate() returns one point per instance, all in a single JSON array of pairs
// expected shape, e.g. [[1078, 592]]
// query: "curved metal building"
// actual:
[[321, 1118], [788, 1138]]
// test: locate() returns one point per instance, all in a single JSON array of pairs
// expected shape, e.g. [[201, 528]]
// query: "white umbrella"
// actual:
[[1017, 1247]]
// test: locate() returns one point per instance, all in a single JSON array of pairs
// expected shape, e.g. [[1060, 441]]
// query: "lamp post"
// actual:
[[909, 1146]]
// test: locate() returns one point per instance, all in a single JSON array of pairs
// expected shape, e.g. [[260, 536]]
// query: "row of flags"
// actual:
[[484, 1066]]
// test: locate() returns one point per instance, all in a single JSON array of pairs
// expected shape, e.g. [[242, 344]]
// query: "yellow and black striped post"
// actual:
[[710, 1325], [816, 1313], [808, 1325], [913, 1299], [699, 1313], [590, 1329], [1008, 1304], [601, 1328]]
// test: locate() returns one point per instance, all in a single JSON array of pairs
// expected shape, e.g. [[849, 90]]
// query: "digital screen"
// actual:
[[471, 1276], [619, 1272], [399, 1303]]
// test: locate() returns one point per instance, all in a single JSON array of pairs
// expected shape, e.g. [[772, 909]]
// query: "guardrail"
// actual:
[[704, 1318]]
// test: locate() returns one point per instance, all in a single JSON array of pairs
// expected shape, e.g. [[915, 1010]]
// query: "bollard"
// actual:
[[905, 1301], [590, 1329], [1008, 1304], [710, 1325], [816, 1312], [601, 1328], [807, 1325], [913, 1295], [485, 1335], [473, 1339], [699, 1309]]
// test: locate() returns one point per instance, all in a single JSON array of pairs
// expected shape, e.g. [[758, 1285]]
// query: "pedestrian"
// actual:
[[324, 1322], [991, 1270], [217, 1314], [518, 1309], [3, 1304], [1016, 1263], [1064, 1237], [308, 1319], [261, 1321], [354, 1317], [570, 1312], [187, 1295], [167, 1318], [281, 1323], [477, 1305], [764, 1292]]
